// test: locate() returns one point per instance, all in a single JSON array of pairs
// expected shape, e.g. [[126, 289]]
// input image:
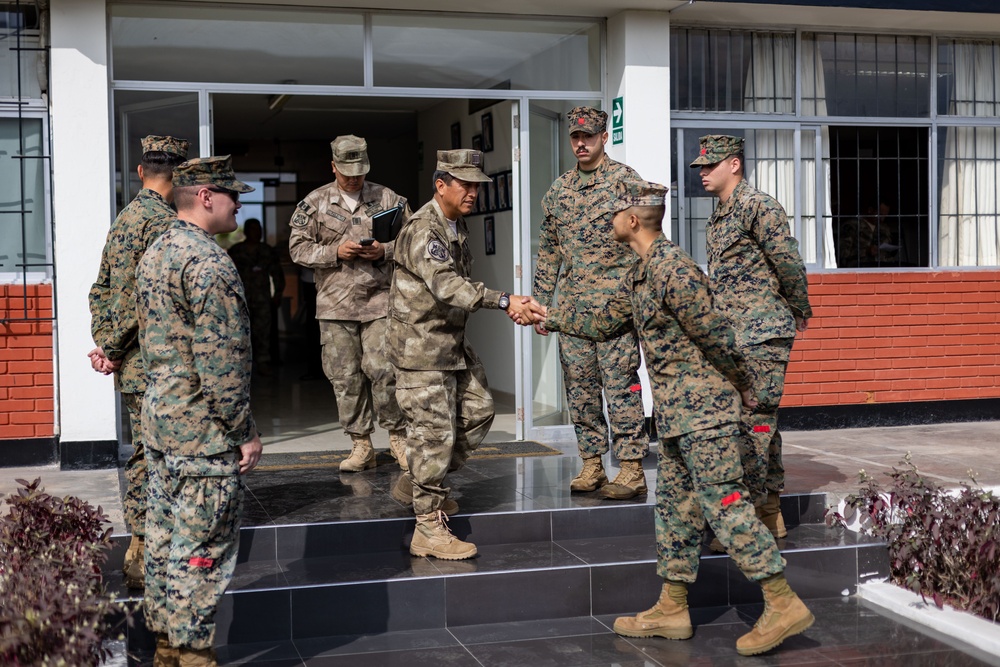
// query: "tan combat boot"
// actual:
[[136, 545], [784, 615], [591, 477], [628, 483], [166, 655], [770, 515], [362, 455], [669, 617], [433, 538], [202, 657], [135, 573], [402, 491], [397, 445]]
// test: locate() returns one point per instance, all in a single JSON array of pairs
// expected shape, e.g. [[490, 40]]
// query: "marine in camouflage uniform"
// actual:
[[696, 371], [578, 257], [352, 283], [440, 382], [759, 285], [114, 322], [258, 265], [200, 431]]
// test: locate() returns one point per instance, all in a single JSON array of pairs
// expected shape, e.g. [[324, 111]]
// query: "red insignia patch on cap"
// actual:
[[581, 121], [201, 562], [731, 498], [762, 429], [704, 150]]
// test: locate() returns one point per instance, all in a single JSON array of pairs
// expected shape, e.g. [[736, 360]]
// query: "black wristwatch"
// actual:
[[504, 302]]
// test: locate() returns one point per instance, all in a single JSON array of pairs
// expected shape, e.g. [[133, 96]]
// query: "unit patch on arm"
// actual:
[[437, 250]]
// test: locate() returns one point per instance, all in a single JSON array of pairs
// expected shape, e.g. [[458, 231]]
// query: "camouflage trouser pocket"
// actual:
[[712, 455], [220, 465]]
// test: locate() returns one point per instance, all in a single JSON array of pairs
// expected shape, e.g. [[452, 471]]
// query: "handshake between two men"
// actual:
[[526, 311]]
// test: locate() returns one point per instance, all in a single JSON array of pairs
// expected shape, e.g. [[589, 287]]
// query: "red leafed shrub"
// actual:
[[943, 543], [53, 606]]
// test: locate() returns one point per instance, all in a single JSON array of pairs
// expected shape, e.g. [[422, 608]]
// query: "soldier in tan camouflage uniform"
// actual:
[[200, 432], [577, 256], [352, 283], [759, 284], [440, 382], [258, 265], [114, 324], [697, 374]]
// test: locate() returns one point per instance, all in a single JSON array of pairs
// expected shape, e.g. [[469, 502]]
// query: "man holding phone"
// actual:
[[334, 231]]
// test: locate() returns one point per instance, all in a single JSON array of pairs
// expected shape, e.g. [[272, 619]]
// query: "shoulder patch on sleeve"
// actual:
[[305, 207], [437, 250]]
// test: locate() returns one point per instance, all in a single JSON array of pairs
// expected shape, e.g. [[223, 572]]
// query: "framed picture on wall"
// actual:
[[477, 142], [489, 232], [487, 132], [456, 136], [503, 201]]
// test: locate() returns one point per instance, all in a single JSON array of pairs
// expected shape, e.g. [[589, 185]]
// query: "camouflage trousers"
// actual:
[[588, 367], [136, 474], [450, 412], [698, 479], [363, 380], [192, 535], [760, 449], [261, 320]]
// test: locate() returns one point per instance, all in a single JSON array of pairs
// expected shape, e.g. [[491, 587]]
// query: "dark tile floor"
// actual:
[[846, 633]]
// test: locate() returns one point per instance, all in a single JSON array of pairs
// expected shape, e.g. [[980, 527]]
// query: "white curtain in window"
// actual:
[[969, 224], [770, 88]]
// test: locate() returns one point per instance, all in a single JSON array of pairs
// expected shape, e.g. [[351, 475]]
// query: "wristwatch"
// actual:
[[504, 302]]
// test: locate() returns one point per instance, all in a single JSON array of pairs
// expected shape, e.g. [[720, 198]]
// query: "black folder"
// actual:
[[385, 225]]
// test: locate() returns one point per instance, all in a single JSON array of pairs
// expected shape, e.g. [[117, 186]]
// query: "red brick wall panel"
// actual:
[[26, 363]]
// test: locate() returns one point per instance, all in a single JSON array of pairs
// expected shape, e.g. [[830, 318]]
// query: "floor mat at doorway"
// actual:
[[487, 450]]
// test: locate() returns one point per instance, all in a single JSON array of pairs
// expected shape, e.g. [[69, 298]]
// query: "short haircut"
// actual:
[[252, 222], [440, 174], [160, 163], [185, 195], [739, 156], [650, 217]]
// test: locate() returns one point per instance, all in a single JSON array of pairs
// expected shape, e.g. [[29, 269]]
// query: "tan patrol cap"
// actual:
[[217, 171], [350, 155], [465, 164], [165, 144], [587, 119], [639, 193], [715, 148]]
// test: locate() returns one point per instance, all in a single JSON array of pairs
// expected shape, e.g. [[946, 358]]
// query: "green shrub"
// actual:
[[943, 544], [53, 606]]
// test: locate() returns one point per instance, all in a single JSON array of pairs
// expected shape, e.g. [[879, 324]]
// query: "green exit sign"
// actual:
[[618, 120]]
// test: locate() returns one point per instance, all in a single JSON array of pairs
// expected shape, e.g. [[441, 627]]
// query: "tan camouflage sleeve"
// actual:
[[440, 276], [303, 246], [686, 294], [771, 231]]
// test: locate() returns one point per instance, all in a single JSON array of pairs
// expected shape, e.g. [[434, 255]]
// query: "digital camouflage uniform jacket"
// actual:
[[691, 355], [576, 236], [431, 296], [113, 320], [196, 345], [757, 275], [356, 290]]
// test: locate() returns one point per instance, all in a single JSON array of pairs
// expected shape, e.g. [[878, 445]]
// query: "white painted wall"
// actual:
[[81, 209]]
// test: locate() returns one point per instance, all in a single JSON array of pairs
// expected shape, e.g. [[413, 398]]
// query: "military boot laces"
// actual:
[[402, 491], [770, 515], [362, 455], [629, 483], [669, 618], [784, 615], [432, 537], [397, 445], [591, 477]]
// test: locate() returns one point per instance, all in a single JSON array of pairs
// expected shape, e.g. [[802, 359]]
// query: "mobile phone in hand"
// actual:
[[366, 242]]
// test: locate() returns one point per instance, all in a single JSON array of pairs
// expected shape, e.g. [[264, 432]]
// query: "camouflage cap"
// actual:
[[639, 193], [464, 164], [217, 171], [350, 155], [587, 119], [172, 145], [716, 148]]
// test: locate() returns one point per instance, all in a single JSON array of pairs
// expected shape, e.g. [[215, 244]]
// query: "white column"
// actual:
[[81, 148], [638, 71]]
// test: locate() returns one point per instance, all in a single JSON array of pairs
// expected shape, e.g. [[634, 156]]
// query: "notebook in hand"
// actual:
[[385, 225]]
